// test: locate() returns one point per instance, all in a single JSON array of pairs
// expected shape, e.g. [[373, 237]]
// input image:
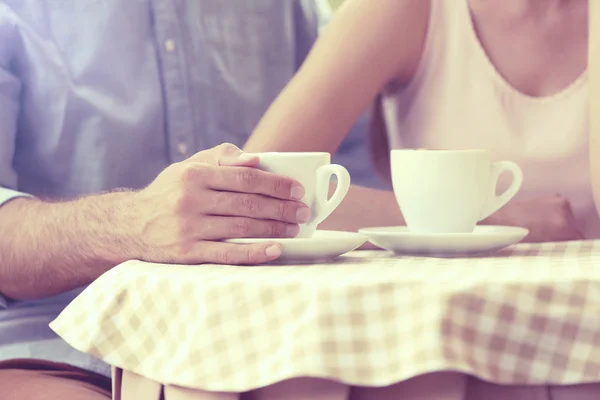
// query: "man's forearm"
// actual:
[[49, 248]]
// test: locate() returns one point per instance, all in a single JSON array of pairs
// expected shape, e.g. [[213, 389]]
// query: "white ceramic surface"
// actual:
[[324, 246], [483, 240], [449, 191], [314, 172]]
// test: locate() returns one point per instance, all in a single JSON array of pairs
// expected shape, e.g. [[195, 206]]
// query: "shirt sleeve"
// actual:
[[10, 90], [9, 104]]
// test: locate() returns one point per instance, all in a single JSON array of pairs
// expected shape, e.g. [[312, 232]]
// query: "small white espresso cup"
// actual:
[[314, 171], [449, 191]]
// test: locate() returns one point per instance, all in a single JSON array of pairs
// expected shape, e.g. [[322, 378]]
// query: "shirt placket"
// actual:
[[177, 101]]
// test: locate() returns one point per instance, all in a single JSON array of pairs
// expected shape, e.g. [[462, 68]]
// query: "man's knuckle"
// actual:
[[241, 227], [180, 253], [212, 201], [183, 250], [248, 255], [185, 202], [194, 173], [228, 257], [189, 173], [281, 210], [234, 255], [280, 185], [185, 228], [222, 256], [248, 204], [204, 173], [276, 229], [247, 177], [227, 148], [252, 255]]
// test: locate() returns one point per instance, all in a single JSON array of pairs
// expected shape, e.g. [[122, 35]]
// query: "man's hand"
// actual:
[[548, 218], [48, 248], [216, 194]]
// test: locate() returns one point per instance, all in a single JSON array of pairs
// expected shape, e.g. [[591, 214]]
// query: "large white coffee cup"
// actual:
[[314, 171], [449, 191]]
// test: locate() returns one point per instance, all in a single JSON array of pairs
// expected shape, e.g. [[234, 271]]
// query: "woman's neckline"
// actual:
[[559, 95]]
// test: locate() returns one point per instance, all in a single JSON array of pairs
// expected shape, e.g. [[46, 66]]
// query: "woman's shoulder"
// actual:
[[403, 34]]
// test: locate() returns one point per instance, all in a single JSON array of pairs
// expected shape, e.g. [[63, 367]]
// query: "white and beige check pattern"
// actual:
[[529, 315]]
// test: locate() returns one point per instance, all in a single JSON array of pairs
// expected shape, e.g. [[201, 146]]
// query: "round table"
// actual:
[[369, 325]]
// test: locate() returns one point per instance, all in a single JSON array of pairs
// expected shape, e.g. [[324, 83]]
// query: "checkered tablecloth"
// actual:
[[528, 315]]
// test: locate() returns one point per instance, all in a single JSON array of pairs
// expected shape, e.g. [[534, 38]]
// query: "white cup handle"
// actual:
[[323, 206], [497, 202]]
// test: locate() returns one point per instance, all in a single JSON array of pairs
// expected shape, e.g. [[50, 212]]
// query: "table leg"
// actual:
[[435, 386], [181, 393], [301, 389], [117, 382], [136, 387], [481, 390], [578, 392]]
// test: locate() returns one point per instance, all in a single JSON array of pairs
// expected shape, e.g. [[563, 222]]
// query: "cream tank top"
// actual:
[[458, 100]]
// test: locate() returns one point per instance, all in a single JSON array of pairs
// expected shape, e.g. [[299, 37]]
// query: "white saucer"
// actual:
[[484, 239], [324, 246]]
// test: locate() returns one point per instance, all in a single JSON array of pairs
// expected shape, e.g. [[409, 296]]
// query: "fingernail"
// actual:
[[303, 214], [273, 251], [297, 192], [292, 230], [247, 157]]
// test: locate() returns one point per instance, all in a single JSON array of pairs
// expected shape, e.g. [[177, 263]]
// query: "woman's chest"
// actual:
[[550, 141]]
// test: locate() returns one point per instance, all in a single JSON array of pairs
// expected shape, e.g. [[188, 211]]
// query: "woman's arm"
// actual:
[[364, 207], [366, 45]]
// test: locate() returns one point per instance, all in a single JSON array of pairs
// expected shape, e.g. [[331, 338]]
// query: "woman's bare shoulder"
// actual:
[[398, 28], [368, 44]]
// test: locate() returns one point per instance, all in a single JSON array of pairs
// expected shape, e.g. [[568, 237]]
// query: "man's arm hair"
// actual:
[[48, 248]]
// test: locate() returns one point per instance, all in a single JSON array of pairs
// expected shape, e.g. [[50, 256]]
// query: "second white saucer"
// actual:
[[324, 246], [483, 239]]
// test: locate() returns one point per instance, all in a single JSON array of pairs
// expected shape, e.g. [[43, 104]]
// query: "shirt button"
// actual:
[[170, 45], [182, 148]]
